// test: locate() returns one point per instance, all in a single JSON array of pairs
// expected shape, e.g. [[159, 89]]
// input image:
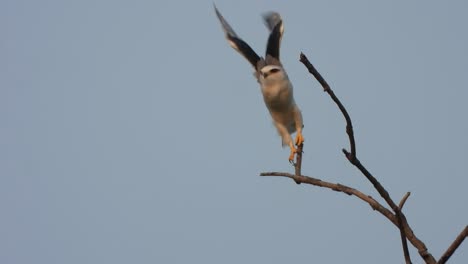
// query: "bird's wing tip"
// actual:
[[226, 27], [271, 19]]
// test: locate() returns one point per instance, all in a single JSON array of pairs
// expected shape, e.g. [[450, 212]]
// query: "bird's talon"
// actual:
[[299, 139], [293, 153]]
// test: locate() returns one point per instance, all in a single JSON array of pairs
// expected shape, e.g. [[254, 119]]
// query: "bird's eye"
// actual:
[[274, 70]]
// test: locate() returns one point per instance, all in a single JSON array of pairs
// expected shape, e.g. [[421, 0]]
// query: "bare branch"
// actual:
[[402, 233], [339, 188], [326, 88], [405, 229], [404, 243], [454, 246], [352, 158]]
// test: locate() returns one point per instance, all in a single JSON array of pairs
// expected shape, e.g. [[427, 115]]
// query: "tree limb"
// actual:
[[454, 246], [404, 243], [327, 89], [338, 188], [402, 233], [397, 217], [352, 158]]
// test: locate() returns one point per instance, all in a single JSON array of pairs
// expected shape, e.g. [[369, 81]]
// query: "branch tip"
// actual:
[[403, 201], [456, 243]]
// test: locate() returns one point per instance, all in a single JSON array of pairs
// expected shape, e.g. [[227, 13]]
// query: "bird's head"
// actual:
[[272, 72]]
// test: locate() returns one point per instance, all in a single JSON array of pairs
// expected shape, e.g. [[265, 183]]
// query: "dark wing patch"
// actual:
[[274, 41], [237, 43], [244, 49]]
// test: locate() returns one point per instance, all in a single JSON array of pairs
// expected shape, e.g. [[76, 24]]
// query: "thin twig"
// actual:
[[326, 88], [403, 201], [456, 243]]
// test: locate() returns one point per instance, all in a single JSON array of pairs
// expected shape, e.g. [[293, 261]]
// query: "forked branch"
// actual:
[[406, 231], [397, 217]]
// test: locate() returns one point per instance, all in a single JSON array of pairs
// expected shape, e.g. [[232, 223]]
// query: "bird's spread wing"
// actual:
[[237, 43], [274, 23]]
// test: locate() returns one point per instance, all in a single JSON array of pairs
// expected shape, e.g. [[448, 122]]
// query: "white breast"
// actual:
[[277, 94]]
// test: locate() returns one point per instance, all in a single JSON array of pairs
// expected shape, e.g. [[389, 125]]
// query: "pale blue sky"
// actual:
[[130, 132]]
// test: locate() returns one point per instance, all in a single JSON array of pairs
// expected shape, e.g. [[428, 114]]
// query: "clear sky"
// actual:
[[130, 132]]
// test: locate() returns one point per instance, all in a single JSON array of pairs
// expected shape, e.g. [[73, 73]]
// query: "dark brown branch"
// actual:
[[373, 180], [352, 157], [404, 243], [402, 223], [405, 229], [326, 88], [338, 188], [454, 246]]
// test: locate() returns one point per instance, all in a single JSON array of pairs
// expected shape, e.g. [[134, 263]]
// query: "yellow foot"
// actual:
[[299, 139], [293, 153]]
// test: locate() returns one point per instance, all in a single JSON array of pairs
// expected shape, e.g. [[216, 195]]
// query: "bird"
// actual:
[[275, 85]]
